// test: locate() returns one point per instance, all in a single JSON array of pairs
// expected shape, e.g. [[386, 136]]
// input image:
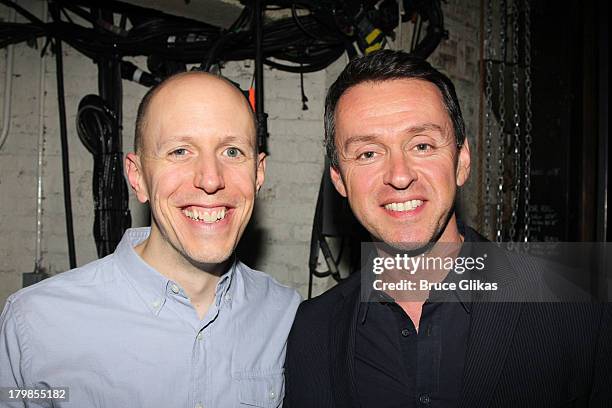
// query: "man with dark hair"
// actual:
[[396, 142], [171, 318]]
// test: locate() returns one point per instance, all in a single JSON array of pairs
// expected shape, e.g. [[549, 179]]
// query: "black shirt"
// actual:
[[397, 367]]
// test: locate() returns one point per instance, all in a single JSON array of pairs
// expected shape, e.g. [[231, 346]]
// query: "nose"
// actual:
[[209, 175], [399, 173]]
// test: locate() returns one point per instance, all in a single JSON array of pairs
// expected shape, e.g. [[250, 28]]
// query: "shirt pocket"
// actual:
[[261, 388]]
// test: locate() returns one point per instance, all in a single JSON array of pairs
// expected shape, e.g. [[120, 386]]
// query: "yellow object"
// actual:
[[373, 48], [373, 35]]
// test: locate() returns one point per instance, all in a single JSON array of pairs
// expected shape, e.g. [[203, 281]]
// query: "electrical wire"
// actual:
[[294, 44], [97, 129], [8, 90], [38, 261], [61, 103]]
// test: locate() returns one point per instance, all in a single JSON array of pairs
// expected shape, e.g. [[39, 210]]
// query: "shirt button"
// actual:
[[425, 399], [405, 332], [200, 336], [272, 395], [199, 405], [175, 289]]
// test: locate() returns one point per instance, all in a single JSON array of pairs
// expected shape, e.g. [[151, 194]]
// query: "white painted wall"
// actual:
[[285, 207]]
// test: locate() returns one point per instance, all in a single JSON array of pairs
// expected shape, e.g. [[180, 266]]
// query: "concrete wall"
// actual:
[[282, 222]]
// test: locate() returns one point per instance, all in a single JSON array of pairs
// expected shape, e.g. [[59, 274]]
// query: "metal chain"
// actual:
[[502, 123], [528, 115], [516, 191], [488, 115]]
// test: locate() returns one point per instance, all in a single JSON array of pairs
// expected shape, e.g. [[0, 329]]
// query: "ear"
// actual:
[[261, 171], [463, 164], [133, 169], [336, 177]]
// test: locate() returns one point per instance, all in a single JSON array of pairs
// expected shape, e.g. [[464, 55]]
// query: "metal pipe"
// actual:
[[604, 159], [262, 125], [8, 87], [64, 142], [41, 152]]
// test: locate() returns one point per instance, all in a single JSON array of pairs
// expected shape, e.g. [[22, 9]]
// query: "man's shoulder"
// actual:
[[315, 317], [260, 287], [471, 235], [321, 306], [91, 276]]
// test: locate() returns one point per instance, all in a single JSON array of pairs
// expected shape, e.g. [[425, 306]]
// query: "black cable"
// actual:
[[25, 13], [304, 97], [416, 26], [112, 215], [131, 72], [61, 103], [262, 117], [296, 18], [435, 29], [311, 67], [318, 241], [311, 41], [65, 13], [283, 39], [85, 15], [97, 128], [14, 33], [244, 19], [214, 50]]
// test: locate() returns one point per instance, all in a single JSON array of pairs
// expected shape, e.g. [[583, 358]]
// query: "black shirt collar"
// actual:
[[464, 297]]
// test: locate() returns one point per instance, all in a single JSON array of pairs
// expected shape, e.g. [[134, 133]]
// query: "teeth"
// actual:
[[206, 216], [405, 206]]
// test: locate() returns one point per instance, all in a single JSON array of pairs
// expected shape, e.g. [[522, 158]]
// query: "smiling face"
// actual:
[[198, 168], [399, 164]]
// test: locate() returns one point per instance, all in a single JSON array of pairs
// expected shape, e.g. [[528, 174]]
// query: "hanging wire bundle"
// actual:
[[507, 142], [95, 127]]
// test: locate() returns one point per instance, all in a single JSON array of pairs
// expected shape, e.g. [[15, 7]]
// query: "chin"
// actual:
[[216, 257], [408, 246], [411, 241]]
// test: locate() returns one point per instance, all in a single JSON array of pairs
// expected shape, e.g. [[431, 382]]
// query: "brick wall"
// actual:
[[279, 234]]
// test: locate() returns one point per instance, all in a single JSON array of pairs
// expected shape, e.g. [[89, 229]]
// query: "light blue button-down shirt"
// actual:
[[119, 334]]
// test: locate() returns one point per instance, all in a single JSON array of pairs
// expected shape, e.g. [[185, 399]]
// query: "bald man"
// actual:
[[171, 318]]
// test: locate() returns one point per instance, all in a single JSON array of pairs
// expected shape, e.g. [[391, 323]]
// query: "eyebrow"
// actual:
[[237, 139], [425, 127], [359, 139], [422, 128]]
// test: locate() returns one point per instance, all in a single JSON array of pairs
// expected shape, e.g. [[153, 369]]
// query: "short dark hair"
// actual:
[[387, 65]]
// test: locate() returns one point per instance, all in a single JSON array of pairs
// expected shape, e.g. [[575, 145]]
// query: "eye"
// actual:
[[180, 152], [423, 147], [233, 152], [366, 155]]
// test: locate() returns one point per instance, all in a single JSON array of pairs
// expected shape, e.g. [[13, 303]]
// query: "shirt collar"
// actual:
[[152, 287], [464, 297], [222, 291]]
